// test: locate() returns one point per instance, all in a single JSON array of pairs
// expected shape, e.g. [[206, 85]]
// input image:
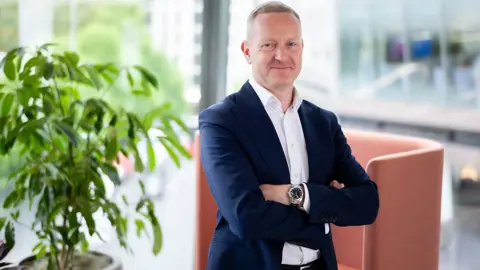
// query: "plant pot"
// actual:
[[90, 261], [9, 266]]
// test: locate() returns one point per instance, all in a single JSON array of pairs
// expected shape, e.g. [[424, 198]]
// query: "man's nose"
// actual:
[[280, 53]]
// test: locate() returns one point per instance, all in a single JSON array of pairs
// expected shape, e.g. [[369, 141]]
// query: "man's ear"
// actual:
[[246, 51]]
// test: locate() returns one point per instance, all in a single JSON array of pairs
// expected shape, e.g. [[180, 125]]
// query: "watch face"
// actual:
[[296, 193]]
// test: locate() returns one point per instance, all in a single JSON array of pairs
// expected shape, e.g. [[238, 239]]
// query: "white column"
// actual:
[[35, 19]]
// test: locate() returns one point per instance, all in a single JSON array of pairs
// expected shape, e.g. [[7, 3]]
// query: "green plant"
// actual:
[[68, 142]]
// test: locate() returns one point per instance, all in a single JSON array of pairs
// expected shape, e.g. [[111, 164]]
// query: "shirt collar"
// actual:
[[267, 98]]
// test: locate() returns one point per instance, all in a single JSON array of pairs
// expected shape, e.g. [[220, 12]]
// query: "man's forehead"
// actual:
[[266, 32], [277, 16], [271, 23]]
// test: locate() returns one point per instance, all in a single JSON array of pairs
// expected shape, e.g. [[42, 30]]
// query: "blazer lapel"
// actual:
[[260, 130], [312, 141]]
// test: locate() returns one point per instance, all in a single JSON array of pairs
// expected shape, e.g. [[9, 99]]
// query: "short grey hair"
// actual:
[[269, 7]]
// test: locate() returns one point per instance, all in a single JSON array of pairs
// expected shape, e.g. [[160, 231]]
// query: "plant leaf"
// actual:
[[10, 235], [41, 253], [179, 147], [45, 46], [3, 221], [51, 261], [124, 199], [151, 155], [140, 226], [131, 128], [72, 57], [84, 246], [15, 214], [130, 79], [139, 166], [9, 68], [170, 150], [48, 70], [37, 246], [87, 215], [148, 76], [157, 235], [97, 82], [58, 206], [142, 187], [139, 92], [69, 131], [98, 183], [10, 200], [180, 123], [7, 104], [112, 173], [141, 204], [111, 146]]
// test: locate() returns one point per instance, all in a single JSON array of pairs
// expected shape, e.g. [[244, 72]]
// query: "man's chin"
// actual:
[[278, 84], [282, 80]]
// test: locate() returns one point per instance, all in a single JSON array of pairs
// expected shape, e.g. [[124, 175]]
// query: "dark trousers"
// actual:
[[315, 265]]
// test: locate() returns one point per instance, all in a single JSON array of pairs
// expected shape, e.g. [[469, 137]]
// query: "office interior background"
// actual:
[[398, 66]]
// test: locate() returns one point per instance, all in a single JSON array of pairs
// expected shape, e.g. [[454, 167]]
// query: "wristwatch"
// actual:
[[295, 194]]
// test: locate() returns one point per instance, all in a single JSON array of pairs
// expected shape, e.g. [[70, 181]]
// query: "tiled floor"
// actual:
[[176, 212], [463, 252]]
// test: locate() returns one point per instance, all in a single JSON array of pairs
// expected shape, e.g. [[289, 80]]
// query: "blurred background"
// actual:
[[399, 66]]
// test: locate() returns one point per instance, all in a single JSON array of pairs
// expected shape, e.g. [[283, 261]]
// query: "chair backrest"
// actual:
[[206, 212], [408, 172]]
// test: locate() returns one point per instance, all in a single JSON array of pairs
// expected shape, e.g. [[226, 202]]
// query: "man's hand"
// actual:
[[336, 184], [276, 193], [279, 193]]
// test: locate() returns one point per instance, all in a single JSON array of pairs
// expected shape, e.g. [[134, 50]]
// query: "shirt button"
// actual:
[[291, 145], [296, 175]]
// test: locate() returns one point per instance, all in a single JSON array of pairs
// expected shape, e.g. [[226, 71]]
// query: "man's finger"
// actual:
[[336, 184]]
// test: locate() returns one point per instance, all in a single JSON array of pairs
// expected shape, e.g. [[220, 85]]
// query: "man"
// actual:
[[273, 160]]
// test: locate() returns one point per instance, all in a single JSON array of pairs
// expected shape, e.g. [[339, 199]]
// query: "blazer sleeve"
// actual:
[[358, 202], [235, 188]]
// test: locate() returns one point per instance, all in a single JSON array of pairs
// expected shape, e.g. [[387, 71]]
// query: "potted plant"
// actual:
[[68, 142], [3, 253]]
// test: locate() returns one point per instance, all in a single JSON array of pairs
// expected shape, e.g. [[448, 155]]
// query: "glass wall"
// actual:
[[415, 51], [412, 51]]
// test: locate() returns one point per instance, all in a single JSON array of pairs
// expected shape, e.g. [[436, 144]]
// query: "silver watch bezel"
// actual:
[[294, 201]]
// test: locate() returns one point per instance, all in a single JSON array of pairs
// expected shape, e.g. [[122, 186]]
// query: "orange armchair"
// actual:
[[406, 234]]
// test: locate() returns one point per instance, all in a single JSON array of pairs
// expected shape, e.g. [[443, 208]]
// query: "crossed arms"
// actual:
[[236, 190]]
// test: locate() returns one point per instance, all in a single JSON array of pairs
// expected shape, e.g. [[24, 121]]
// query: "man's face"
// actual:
[[274, 49]]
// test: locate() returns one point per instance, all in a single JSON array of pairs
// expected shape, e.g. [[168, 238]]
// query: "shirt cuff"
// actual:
[[306, 200]]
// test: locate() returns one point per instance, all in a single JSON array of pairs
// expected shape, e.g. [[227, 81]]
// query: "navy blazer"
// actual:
[[240, 150]]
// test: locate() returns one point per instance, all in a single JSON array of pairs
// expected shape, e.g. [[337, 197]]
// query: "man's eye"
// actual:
[[291, 44]]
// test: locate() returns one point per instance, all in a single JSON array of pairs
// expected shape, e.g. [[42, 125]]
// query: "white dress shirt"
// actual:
[[290, 133]]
